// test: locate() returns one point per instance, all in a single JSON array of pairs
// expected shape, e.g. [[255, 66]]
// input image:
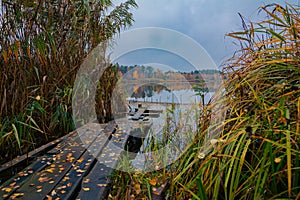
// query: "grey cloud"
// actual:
[[206, 21]]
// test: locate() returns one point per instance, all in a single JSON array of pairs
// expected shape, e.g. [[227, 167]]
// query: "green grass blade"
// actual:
[[16, 136]]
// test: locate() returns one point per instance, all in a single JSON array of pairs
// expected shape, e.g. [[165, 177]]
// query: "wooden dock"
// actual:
[[75, 166]]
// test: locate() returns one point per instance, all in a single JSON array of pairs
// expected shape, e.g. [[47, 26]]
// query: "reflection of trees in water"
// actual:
[[148, 90]]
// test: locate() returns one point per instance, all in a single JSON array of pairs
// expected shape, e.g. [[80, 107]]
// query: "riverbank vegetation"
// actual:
[[256, 155], [43, 43]]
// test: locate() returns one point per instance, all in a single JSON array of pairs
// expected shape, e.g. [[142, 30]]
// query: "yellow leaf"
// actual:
[[9, 52], [18, 194], [137, 188], [49, 197], [53, 192], [277, 160], [49, 170], [155, 191], [102, 185], [86, 189], [12, 184], [28, 52], [7, 189], [4, 54], [87, 180], [44, 179], [153, 181], [112, 154], [39, 190]]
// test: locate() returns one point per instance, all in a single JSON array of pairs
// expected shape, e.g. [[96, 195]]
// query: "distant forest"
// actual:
[[136, 72], [150, 69]]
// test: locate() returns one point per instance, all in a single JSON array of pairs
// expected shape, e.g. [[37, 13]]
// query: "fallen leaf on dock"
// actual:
[[53, 193], [86, 180], [7, 189], [12, 184], [86, 189], [49, 170], [17, 195], [112, 154], [44, 179], [22, 174], [153, 181], [102, 185]]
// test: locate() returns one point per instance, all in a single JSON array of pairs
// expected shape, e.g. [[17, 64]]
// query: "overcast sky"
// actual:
[[206, 21]]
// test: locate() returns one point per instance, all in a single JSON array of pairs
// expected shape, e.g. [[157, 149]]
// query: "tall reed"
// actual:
[[42, 45]]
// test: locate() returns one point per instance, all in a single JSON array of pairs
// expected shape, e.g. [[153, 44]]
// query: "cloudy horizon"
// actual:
[[205, 21]]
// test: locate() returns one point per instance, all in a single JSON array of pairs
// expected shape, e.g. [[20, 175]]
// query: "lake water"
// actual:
[[183, 96], [173, 131], [175, 128]]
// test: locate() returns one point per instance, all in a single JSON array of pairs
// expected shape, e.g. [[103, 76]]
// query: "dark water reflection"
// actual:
[[167, 93]]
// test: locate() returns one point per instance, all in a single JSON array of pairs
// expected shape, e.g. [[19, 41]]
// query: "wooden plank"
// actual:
[[81, 130], [153, 111], [69, 165], [10, 186], [138, 115], [21, 159], [42, 182], [96, 184], [68, 186]]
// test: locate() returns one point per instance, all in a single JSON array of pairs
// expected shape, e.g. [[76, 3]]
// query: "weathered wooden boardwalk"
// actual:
[[78, 166]]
